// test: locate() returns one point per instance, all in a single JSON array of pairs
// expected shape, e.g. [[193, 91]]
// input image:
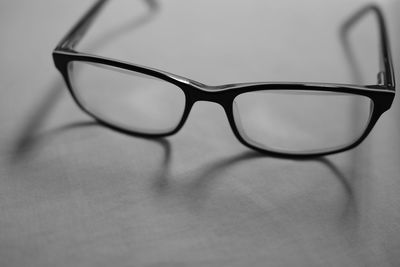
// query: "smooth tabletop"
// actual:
[[73, 193]]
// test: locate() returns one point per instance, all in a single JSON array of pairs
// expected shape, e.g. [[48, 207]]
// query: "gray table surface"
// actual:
[[73, 193]]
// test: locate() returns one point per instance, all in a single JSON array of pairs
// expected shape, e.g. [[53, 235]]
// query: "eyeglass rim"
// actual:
[[224, 95]]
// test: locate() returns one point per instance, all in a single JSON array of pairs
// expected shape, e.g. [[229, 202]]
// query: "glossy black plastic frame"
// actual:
[[381, 94]]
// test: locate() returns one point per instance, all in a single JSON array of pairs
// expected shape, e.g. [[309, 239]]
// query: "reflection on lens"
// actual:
[[291, 121], [127, 99]]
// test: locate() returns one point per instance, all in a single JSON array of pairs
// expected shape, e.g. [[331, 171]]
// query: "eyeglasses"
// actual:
[[281, 119]]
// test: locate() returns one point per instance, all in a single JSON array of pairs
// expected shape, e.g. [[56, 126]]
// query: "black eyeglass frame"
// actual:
[[381, 94]]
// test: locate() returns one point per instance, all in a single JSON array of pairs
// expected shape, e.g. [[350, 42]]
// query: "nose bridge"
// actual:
[[209, 94]]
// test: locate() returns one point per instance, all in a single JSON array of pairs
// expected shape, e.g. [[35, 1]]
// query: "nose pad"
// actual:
[[236, 117], [237, 120]]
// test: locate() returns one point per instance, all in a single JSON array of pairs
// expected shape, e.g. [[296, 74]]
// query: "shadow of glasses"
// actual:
[[25, 143], [202, 178], [204, 175], [196, 189]]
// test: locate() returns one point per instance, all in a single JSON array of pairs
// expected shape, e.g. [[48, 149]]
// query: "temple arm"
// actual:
[[386, 76], [73, 37]]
